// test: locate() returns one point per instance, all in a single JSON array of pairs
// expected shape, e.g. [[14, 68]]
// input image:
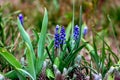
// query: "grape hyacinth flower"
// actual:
[[57, 37], [62, 36], [85, 30], [76, 32], [20, 16]]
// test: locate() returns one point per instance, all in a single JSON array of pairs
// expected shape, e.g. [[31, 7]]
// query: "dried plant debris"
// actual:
[[76, 74], [43, 76]]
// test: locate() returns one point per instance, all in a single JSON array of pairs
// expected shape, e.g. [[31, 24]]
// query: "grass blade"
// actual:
[[114, 33], [103, 58], [95, 56], [108, 48], [47, 50]]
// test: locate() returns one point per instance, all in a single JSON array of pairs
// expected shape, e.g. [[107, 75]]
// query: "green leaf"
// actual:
[[30, 65], [80, 26], [95, 57], [80, 19], [68, 30], [50, 46], [36, 35], [10, 58], [114, 33], [20, 75], [1, 44], [73, 18], [49, 54], [70, 58], [39, 66], [57, 62], [26, 38], [109, 49], [49, 73], [49, 38], [14, 74], [25, 73], [103, 59], [42, 37], [11, 75], [93, 52], [41, 43], [111, 77]]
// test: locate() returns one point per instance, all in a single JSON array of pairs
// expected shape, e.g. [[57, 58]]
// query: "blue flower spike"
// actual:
[[76, 32], [21, 18], [57, 37], [62, 36], [85, 30]]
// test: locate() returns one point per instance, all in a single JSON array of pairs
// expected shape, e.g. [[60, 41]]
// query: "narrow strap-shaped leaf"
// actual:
[[25, 73], [68, 30], [73, 18], [72, 56], [93, 52], [20, 75], [39, 65], [25, 37], [109, 49], [42, 37], [36, 35], [10, 58], [41, 43], [103, 57], [11, 75], [95, 56], [49, 54], [17, 73], [80, 25], [31, 67]]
